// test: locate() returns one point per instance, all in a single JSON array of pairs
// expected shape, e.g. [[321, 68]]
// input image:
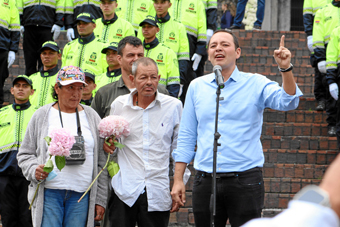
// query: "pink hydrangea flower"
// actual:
[[113, 125], [61, 143]]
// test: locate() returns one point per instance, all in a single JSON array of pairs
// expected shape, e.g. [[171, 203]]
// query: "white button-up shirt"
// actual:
[[144, 161]]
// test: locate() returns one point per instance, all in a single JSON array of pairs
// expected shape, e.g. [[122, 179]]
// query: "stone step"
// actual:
[[272, 42], [296, 52], [299, 142], [272, 68], [271, 34], [295, 116], [312, 172], [294, 129], [285, 156], [269, 59], [307, 103]]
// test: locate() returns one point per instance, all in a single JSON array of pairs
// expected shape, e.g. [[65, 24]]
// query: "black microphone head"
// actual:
[[217, 67]]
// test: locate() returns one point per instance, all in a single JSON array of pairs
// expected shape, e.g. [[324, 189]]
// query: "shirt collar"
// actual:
[[50, 72], [113, 73], [163, 19], [234, 76], [87, 39], [129, 101], [19, 107], [151, 45], [111, 21]]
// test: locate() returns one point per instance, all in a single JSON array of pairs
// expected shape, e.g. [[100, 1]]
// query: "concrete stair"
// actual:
[[296, 147]]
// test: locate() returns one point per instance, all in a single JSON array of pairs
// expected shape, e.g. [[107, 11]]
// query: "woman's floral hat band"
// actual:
[[69, 75]]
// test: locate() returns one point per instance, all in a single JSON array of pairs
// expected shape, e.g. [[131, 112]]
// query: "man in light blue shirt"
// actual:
[[240, 189]]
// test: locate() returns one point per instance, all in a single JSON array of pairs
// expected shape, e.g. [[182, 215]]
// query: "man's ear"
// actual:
[[12, 90], [132, 78]]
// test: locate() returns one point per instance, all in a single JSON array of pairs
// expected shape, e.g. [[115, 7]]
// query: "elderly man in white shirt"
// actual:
[[142, 185]]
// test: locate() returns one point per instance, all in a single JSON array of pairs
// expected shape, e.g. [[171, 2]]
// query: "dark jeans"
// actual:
[[14, 204], [241, 6], [3, 73], [122, 215], [239, 198], [34, 37]]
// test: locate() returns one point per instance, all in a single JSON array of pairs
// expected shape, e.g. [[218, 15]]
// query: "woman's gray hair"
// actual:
[[144, 61]]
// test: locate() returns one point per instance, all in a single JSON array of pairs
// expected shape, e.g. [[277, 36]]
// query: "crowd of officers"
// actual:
[[172, 32], [321, 21]]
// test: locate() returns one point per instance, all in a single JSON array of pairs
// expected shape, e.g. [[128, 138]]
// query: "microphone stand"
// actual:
[[217, 135]]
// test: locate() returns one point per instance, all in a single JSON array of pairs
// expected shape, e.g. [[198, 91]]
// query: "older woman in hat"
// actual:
[[56, 201]]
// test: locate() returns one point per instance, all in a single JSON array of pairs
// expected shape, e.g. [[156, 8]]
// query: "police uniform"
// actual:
[[173, 35], [107, 77], [38, 17], [167, 63], [73, 8], [134, 11], [9, 38], [211, 13], [85, 53], [191, 13], [113, 30], [310, 7], [13, 185], [325, 20]]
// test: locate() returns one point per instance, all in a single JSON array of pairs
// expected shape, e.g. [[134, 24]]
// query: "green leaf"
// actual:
[[48, 140], [48, 166], [107, 141], [118, 145], [60, 161]]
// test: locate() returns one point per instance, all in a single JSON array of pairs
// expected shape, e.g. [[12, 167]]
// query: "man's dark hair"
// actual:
[[134, 41], [54, 93], [229, 32]]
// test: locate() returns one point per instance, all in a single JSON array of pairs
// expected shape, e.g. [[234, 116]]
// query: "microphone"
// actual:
[[218, 76]]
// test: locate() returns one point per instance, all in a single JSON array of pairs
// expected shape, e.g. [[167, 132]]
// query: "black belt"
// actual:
[[229, 174]]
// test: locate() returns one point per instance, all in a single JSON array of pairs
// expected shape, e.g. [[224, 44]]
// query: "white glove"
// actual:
[[70, 34], [322, 67], [11, 58], [334, 90], [22, 29], [56, 31], [210, 32], [310, 43], [196, 58]]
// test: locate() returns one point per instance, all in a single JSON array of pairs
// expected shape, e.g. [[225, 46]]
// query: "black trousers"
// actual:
[[14, 204], [239, 197], [122, 215], [34, 37], [3, 73], [331, 104], [320, 90]]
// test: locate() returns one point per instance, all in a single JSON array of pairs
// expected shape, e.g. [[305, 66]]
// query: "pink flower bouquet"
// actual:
[[59, 143], [114, 127]]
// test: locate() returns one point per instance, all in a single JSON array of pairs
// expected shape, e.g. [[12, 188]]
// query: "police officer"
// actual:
[[9, 40], [13, 186], [326, 19], [110, 28], [90, 86], [73, 8], [310, 7], [134, 11], [114, 71], [173, 34], [192, 14], [332, 77], [39, 20], [85, 51], [45, 79], [165, 58]]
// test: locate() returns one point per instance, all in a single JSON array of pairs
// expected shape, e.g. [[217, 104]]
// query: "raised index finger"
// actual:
[[282, 42]]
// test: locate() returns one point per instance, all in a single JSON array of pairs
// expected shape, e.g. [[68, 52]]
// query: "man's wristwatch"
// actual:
[[287, 69], [313, 194]]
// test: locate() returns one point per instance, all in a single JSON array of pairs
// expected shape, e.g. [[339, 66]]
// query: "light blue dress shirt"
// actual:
[[246, 95]]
